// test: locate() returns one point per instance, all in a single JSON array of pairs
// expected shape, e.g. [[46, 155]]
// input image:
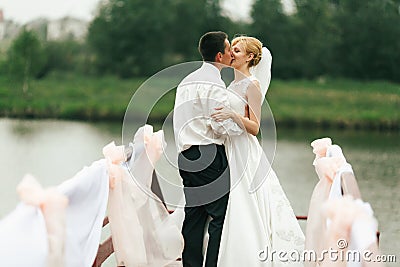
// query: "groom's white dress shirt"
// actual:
[[197, 96]]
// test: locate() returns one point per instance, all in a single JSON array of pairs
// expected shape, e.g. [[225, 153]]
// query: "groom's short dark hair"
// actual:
[[211, 43]]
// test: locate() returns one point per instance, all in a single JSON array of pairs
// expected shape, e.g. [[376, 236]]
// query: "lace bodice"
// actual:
[[238, 94]]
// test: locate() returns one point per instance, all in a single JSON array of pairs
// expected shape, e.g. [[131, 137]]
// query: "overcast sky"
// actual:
[[22, 11]]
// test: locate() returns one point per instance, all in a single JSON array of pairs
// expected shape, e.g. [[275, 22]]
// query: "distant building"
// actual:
[[12, 29], [51, 30], [8, 29], [39, 26], [67, 28]]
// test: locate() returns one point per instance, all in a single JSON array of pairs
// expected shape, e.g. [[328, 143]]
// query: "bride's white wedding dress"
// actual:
[[256, 223]]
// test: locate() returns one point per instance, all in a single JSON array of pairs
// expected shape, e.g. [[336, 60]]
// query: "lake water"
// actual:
[[55, 150]]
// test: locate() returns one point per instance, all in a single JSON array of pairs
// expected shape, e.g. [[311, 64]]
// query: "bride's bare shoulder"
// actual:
[[255, 85]]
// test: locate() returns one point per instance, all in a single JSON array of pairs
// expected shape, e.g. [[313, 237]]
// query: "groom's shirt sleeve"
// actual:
[[215, 96]]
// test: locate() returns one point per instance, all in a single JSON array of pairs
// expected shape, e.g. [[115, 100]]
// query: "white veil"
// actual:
[[262, 71]]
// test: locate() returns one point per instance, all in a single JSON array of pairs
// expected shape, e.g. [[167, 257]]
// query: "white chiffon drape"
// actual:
[[29, 236], [143, 232], [62, 226], [87, 193], [23, 238], [34, 233], [333, 217]]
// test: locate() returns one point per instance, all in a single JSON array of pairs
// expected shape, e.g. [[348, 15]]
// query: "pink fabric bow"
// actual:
[[53, 205], [342, 212], [320, 146], [326, 168], [154, 147], [114, 155], [351, 220], [152, 142]]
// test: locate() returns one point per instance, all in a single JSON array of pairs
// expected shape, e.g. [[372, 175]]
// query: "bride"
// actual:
[[259, 219]]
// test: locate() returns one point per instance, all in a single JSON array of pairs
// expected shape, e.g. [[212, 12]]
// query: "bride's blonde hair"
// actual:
[[250, 45]]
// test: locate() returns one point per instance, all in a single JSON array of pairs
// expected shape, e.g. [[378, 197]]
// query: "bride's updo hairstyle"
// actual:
[[250, 45]]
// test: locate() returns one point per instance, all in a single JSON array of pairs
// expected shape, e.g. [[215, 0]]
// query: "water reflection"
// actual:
[[50, 150], [55, 150]]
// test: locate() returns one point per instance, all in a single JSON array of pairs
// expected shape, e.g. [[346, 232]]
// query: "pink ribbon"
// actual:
[[114, 155], [53, 205], [326, 167], [32, 193], [320, 146]]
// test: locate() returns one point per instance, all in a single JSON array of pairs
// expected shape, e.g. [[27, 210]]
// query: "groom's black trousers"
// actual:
[[205, 173]]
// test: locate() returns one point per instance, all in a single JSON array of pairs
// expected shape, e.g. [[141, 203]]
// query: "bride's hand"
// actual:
[[223, 113]]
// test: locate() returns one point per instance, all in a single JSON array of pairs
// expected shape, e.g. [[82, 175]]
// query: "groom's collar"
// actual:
[[211, 67]]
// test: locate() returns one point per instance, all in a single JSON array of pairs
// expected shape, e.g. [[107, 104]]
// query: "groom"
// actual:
[[202, 160]]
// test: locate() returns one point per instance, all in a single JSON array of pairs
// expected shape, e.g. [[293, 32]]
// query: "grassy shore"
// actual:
[[337, 103], [330, 103]]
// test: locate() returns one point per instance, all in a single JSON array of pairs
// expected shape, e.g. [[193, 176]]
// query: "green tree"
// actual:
[[130, 37], [193, 18], [370, 38], [275, 29], [353, 38], [68, 55], [140, 37], [26, 58], [317, 36]]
